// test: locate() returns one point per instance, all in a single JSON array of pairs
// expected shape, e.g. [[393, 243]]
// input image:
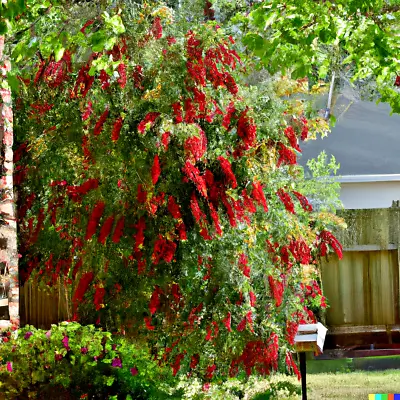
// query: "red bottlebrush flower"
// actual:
[[291, 329], [104, 79], [190, 112], [229, 210], [176, 366], [198, 214], [106, 229], [156, 28], [215, 218], [196, 146], [204, 234], [138, 77], [247, 130], [397, 81], [83, 82], [227, 168], [88, 111], [171, 40], [155, 300], [181, 231], [122, 75], [87, 24], [323, 302], [227, 322], [286, 200], [304, 130], [175, 290], [99, 297], [248, 202], [39, 72], [292, 365], [139, 237], [194, 361], [116, 129], [286, 156], [303, 201], [194, 175], [243, 265], [83, 285], [253, 299], [210, 371], [100, 123], [289, 133], [141, 194], [230, 111], [209, 334], [330, 239], [147, 321], [147, 122], [94, 219], [76, 192], [258, 195], [277, 290], [173, 208], [230, 84], [155, 169], [300, 250], [165, 138], [163, 249], [200, 99], [242, 325], [177, 112]]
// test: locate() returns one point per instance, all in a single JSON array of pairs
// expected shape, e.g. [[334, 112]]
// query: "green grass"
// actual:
[[352, 385]]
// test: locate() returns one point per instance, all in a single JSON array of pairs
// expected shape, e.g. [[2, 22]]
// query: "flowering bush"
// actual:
[[79, 361], [164, 192]]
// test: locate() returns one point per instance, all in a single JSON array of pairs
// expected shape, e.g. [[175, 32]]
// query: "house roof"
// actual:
[[365, 140]]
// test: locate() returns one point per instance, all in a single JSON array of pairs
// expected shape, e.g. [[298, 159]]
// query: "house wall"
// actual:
[[368, 195]]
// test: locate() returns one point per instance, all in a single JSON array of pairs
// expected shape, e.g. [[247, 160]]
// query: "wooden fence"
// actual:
[[42, 308]]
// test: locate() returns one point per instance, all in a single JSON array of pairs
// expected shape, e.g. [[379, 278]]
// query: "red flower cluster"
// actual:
[[83, 286], [326, 238], [155, 302], [227, 322], [100, 123], [303, 201], [286, 200], [304, 129], [301, 251], [292, 365], [156, 28], [163, 249], [277, 290], [253, 299], [173, 208], [258, 195], [98, 299], [227, 169], [243, 265], [117, 129], [94, 219], [155, 169], [290, 134], [119, 230], [286, 156], [397, 81], [259, 355], [247, 130], [196, 146], [291, 329], [122, 75], [88, 111], [148, 121], [230, 111], [139, 237], [193, 174], [83, 82], [57, 72], [76, 193], [106, 229]]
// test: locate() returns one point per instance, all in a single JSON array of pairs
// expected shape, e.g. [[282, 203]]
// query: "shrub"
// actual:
[[75, 361]]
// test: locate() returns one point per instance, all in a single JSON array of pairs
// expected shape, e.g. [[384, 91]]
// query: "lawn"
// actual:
[[352, 385]]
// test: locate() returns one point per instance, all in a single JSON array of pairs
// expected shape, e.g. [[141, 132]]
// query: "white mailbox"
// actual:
[[310, 337]]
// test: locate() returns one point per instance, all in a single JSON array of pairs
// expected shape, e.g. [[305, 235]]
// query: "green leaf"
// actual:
[[332, 120], [59, 52]]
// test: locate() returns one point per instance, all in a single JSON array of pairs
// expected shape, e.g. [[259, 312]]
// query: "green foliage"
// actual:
[[310, 39], [43, 364]]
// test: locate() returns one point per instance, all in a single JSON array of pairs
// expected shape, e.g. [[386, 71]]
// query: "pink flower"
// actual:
[[9, 366], [65, 343], [28, 335], [134, 371], [116, 362]]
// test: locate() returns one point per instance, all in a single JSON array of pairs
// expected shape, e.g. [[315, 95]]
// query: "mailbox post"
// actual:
[[309, 337]]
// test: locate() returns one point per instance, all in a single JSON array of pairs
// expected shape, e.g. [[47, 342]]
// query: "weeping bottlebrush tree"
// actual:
[[164, 192]]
